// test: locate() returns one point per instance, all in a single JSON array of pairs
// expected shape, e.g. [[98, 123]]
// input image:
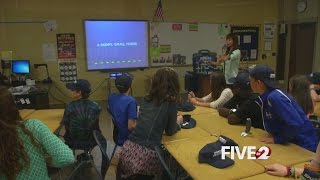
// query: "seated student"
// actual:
[[314, 80], [311, 171], [24, 143], [81, 118], [158, 114], [81, 112], [123, 108], [283, 118], [242, 105], [219, 95], [298, 88]]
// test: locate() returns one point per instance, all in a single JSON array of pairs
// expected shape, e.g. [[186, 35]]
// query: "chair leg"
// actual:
[[114, 150]]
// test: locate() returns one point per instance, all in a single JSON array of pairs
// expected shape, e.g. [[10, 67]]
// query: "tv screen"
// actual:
[[20, 66], [116, 44]]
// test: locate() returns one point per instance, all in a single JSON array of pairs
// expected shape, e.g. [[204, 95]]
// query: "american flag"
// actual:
[[159, 12]]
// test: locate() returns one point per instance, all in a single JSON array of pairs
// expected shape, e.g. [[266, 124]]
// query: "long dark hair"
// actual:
[[300, 91], [13, 157], [218, 84], [164, 86], [235, 45]]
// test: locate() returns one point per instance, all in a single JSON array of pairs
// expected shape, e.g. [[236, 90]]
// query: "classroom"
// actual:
[[51, 47]]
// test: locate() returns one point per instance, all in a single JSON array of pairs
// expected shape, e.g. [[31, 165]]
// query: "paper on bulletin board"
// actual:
[[165, 48], [155, 52], [193, 26], [253, 54], [247, 39], [223, 30], [267, 45], [269, 29], [49, 52], [6, 55]]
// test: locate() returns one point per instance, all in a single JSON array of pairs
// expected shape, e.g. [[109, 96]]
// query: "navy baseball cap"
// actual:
[[314, 78], [123, 81], [211, 153], [79, 85], [265, 74], [241, 80], [188, 122]]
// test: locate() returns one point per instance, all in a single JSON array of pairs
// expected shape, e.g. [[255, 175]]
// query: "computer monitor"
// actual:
[[20, 66]]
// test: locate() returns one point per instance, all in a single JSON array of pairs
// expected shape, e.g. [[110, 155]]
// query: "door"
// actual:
[[301, 48]]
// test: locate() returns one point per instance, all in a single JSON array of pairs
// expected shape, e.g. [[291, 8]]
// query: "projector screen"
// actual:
[[116, 44]]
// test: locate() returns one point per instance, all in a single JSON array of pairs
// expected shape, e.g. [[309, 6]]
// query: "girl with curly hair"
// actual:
[[158, 114]]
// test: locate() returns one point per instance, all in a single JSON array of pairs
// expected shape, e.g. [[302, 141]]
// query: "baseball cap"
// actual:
[[314, 77], [211, 153], [265, 74], [188, 122], [123, 81], [79, 85], [241, 80], [185, 106]]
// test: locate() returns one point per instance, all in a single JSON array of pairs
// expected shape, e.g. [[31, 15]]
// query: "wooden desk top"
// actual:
[[200, 110], [289, 154], [186, 153], [26, 112], [317, 109], [50, 117], [185, 134]]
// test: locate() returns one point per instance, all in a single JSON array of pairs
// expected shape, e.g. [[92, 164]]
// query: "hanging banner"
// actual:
[[66, 46]]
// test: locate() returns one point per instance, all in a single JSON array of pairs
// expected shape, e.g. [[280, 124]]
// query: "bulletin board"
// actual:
[[175, 43], [248, 37]]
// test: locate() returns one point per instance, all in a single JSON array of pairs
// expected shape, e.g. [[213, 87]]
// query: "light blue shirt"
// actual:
[[231, 65]]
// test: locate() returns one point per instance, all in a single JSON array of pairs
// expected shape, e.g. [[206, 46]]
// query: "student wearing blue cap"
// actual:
[[283, 118], [123, 108], [81, 118]]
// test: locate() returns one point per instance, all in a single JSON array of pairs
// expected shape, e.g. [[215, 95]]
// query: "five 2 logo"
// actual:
[[252, 152]]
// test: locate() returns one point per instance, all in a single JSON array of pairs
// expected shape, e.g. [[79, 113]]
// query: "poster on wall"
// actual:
[[248, 37], [66, 46], [68, 71]]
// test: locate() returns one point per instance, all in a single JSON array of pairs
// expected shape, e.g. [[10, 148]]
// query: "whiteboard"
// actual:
[[175, 43]]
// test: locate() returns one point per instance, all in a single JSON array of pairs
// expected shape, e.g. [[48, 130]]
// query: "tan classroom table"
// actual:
[[50, 117], [288, 154], [26, 112], [186, 153], [185, 134], [266, 176], [199, 110], [317, 109]]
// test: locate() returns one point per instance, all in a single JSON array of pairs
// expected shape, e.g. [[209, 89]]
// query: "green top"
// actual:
[[231, 66], [59, 153]]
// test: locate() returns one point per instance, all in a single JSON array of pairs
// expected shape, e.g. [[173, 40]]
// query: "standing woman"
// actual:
[[231, 58], [23, 144], [157, 114]]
